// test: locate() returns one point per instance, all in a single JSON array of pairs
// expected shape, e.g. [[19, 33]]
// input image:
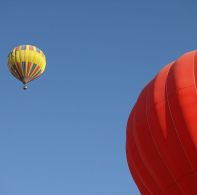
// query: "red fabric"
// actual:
[[161, 143]]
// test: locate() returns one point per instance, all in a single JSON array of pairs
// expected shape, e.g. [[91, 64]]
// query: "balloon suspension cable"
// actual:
[[25, 87]]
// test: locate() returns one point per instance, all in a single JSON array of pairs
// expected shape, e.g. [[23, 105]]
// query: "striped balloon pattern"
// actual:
[[26, 63]]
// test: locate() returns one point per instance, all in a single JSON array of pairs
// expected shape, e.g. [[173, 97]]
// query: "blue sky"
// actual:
[[66, 133]]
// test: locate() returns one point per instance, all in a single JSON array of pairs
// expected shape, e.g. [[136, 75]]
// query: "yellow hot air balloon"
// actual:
[[26, 63]]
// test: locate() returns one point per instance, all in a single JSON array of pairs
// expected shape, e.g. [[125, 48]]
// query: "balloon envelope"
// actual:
[[26, 63], [161, 140]]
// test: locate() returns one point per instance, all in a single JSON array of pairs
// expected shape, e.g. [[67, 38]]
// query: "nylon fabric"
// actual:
[[161, 140]]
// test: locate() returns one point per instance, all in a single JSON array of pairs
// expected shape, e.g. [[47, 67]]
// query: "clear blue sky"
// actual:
[[66, 133]]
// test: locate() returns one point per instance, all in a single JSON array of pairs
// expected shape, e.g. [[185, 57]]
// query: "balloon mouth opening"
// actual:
[[25, 80]]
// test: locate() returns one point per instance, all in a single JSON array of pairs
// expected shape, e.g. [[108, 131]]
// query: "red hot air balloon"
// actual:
[[161, 140]]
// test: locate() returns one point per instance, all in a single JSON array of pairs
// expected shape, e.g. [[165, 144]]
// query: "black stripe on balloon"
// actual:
[[24, 68], [32, 69], [37, 73], [16, 70], [14, 73]]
